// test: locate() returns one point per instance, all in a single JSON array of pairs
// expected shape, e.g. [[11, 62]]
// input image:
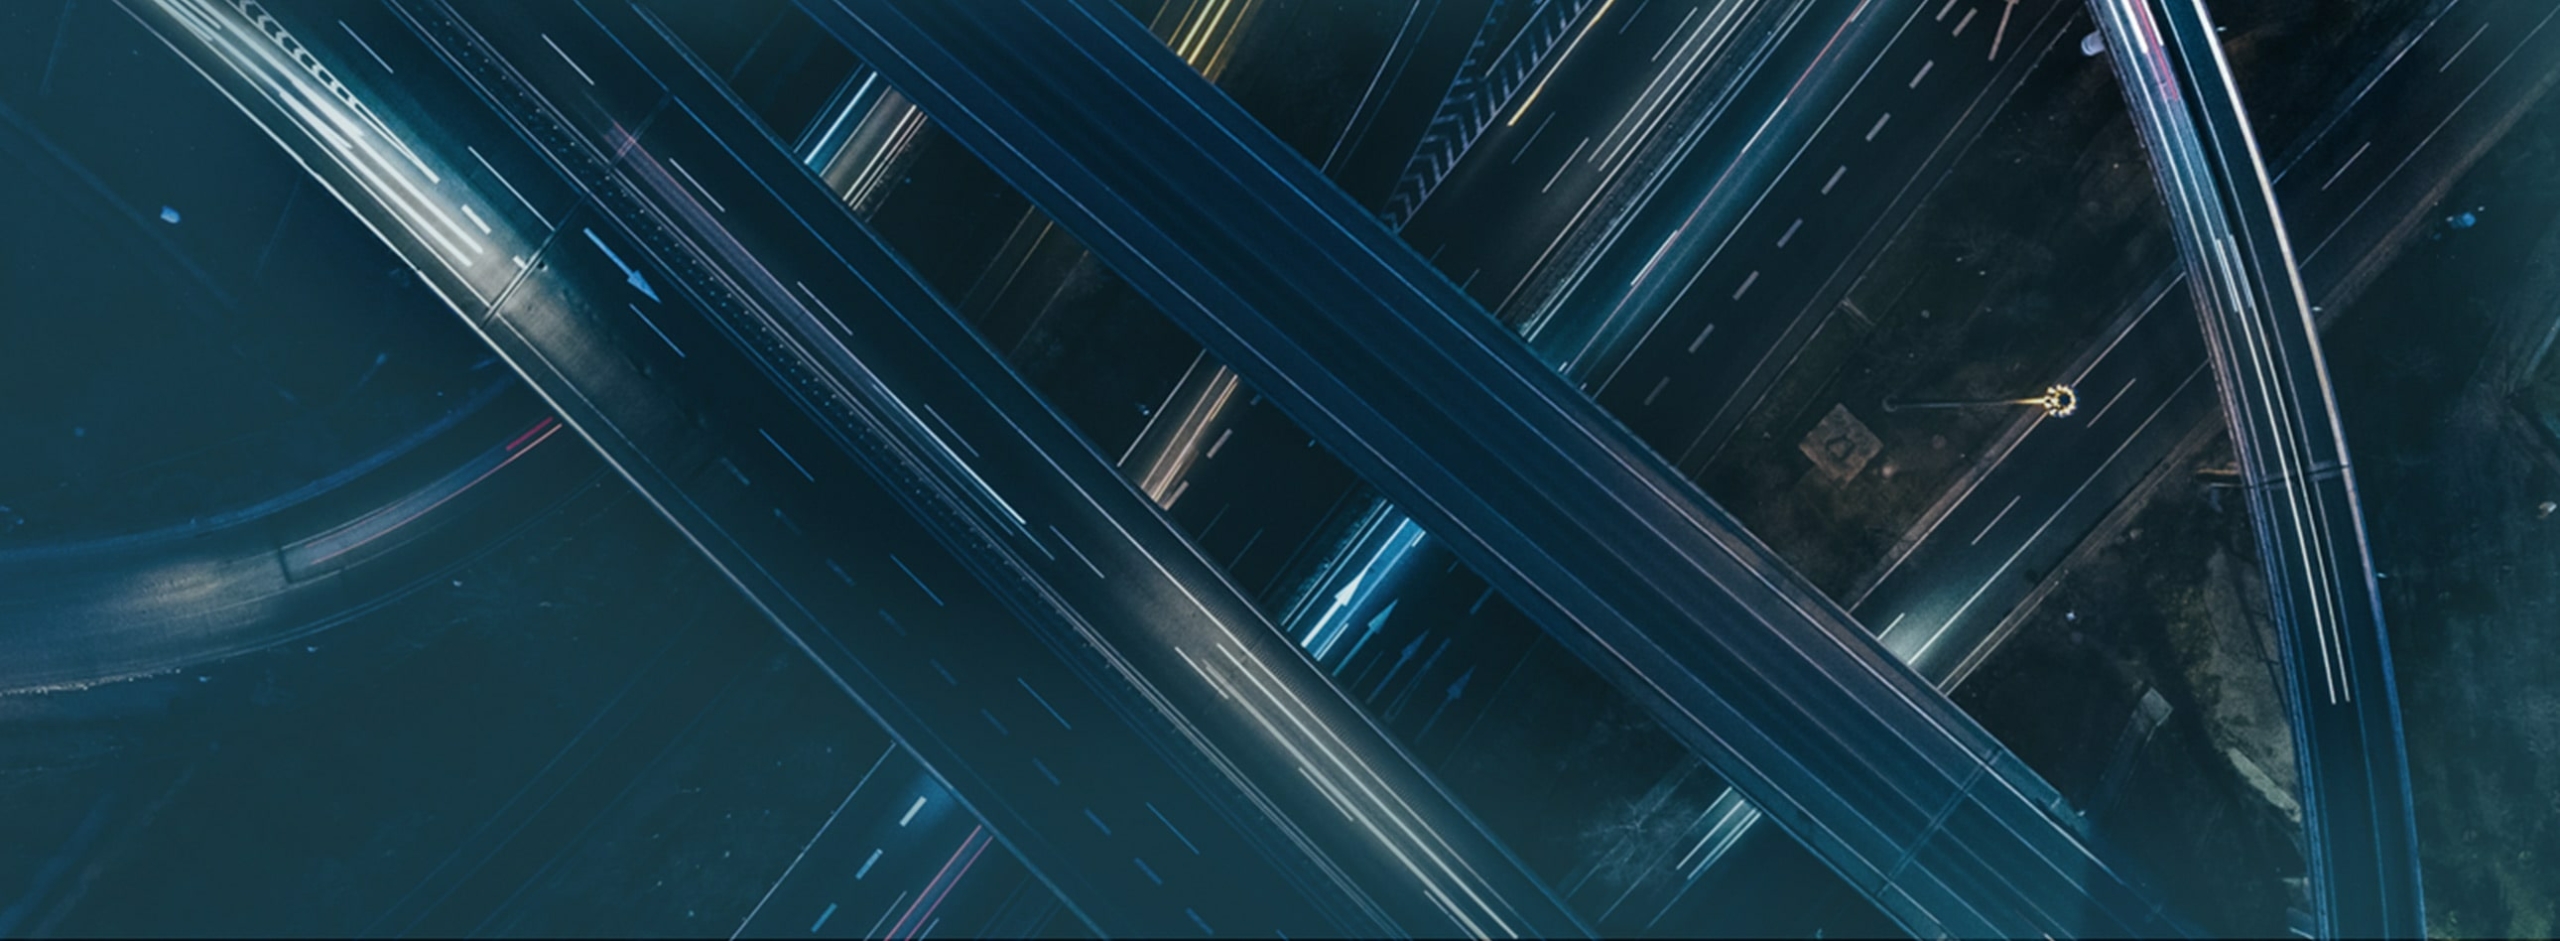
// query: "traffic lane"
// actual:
[[427, 194], [2019, 518], [1713, 63], [2370, 839], [1719, 608], [1679, 383], [896, 845], [1027, 73], [2357, 185], [1410, 83], [1132, 544], [560, 312], [100, 610], [405, 75], [1411, 356], [1409, 361], [828, 544], [592, 83], [1634, 284], [1723, 156], [1543, 155], [2364, 864]]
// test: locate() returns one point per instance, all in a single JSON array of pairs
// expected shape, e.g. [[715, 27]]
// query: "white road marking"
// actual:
[[786, 455], [2112, 400], [697, 184], [653, 328], [502, 181], [1995, 520], [2342, 168], [2466, 47], [1568, 161], [564, 57], [377, 57], [1079, 553]]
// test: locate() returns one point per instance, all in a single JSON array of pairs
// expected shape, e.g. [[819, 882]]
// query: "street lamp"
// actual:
[[2058, 401]]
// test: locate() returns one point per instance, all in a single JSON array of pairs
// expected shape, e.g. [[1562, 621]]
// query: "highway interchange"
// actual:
[[632, 100]]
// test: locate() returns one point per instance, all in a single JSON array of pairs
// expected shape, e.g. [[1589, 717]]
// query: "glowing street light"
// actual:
[[2058, 401]]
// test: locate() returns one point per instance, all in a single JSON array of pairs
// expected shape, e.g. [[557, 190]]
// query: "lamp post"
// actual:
[[2058, 401]]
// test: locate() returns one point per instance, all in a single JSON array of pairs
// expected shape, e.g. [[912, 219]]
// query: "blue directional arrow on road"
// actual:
[[629, 273]]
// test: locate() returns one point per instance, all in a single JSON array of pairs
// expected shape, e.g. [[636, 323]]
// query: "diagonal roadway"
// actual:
[[589, 237], [2358, 823], [1577, 522]]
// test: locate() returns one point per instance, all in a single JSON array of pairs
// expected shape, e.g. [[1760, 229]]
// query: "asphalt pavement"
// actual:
[[1240, 252]]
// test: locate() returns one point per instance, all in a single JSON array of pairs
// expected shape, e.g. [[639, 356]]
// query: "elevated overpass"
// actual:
[[1289, 283], [687, 298], [2360, 831]]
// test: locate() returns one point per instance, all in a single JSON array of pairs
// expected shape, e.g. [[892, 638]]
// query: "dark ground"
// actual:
[[485, 754], [2172, 604], [564, 723], [152, 371], [2446, 425]]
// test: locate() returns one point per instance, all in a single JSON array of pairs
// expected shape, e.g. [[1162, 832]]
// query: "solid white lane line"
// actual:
[[1533, 139], [511, 188], [564, 57], [786, 455], [2342, 168], [1568, 161], [2111, 402], [2457, 53], [1079, 553], [367, 47], [1995, 520], [653, 328], [697, 184]]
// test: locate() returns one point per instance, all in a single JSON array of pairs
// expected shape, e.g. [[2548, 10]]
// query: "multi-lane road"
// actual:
[[2360, 830], [1352, 334], [631, 249]]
